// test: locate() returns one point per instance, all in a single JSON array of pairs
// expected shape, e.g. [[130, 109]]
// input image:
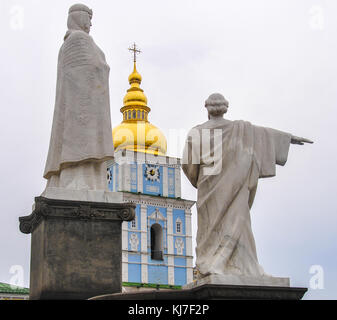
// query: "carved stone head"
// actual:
[[80, 18], [216, 105]]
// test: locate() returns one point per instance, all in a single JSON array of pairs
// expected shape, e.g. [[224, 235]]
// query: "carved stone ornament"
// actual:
[[81, 210]]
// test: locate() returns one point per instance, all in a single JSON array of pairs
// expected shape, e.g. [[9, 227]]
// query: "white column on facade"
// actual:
[[139, 177], [178, 182], [125, 270], [188, 225], [143, 227], [165, 181], [170, 269], [170, 248], [126, 177], [144, 268], [125, 235], [189, 269], [144, 255], [120, 177]]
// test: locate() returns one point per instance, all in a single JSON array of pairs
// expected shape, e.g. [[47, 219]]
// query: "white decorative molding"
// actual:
[[189, 246], [170, 262], [169, 212], [125, 271], [188, 222], [139, 177], [144, 268], [124, 239], [157, 201], [157, 215], [165, 181], [177, 183], [179, 245], [134, 241], [189, 275], [127, 177], [120, 178]]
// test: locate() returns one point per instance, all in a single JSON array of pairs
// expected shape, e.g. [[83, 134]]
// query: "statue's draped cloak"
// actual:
[[225, 242], [82, 125]]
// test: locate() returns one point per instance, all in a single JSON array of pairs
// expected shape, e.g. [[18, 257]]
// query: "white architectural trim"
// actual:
[[143, 223], [120, 178], [124, 236], [158, 201], [139, 177], [170, 270], [165, 181], [177, 183], [169, 212], [127, 177], [144, 268], [189, 246]]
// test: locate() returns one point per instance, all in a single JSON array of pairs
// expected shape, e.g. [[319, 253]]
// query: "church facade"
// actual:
[[157, 244]]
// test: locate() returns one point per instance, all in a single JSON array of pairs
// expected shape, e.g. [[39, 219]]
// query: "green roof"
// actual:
[[7, 288], [150, 285]]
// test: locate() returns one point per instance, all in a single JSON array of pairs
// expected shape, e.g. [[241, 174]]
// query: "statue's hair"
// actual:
[[80, 7], [216, 104]]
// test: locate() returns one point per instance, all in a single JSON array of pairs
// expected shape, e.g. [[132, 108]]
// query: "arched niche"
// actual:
[[157, 242]]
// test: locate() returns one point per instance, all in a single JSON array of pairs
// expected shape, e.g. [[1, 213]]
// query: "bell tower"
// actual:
[[157, 244]]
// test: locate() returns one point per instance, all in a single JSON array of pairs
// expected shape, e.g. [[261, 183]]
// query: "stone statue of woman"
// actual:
[[81, 137]]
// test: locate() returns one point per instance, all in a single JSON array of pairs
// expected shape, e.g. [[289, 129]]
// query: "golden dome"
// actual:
[[136, 133]]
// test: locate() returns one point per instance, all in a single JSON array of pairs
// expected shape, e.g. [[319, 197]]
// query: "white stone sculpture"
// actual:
[[179, 245], [134, 241], [224, 159], [81, 138]]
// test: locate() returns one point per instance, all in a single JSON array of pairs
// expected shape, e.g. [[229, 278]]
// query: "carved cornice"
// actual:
[[141, 198], [76, 210]]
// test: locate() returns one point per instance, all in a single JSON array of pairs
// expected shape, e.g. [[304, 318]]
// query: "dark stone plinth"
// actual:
[[213, 292], [76, 249]]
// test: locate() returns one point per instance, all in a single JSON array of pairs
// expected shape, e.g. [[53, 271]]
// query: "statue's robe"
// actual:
[[225, 242], [81, 138]]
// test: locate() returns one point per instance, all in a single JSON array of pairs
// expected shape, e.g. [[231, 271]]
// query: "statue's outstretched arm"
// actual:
[[299, 140]]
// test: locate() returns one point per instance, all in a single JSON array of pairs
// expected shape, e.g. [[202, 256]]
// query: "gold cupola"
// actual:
[[136, 133]]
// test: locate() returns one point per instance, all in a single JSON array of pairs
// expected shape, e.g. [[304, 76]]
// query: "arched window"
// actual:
[[129, 114], [138, 115], [157, 242], [142, 115]]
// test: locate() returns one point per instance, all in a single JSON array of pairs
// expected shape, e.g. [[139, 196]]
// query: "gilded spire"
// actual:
[[136, 132], [135, 101]]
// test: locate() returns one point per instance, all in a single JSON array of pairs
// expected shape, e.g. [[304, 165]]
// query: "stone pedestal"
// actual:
[[232, 279], [75, 247], [213, 292]]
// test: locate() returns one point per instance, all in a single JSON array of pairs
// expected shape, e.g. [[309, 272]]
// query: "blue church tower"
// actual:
[[157, 244]]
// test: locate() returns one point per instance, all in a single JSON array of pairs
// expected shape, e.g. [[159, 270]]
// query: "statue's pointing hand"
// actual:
[[298, 140]]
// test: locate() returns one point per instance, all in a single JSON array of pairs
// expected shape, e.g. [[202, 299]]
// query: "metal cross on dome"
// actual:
[[135, 51]]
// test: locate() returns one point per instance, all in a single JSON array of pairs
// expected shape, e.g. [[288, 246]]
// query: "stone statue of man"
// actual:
[[81, 137], [224, 159]]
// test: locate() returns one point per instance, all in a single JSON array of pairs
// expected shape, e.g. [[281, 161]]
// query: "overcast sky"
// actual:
[[274, 60]]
